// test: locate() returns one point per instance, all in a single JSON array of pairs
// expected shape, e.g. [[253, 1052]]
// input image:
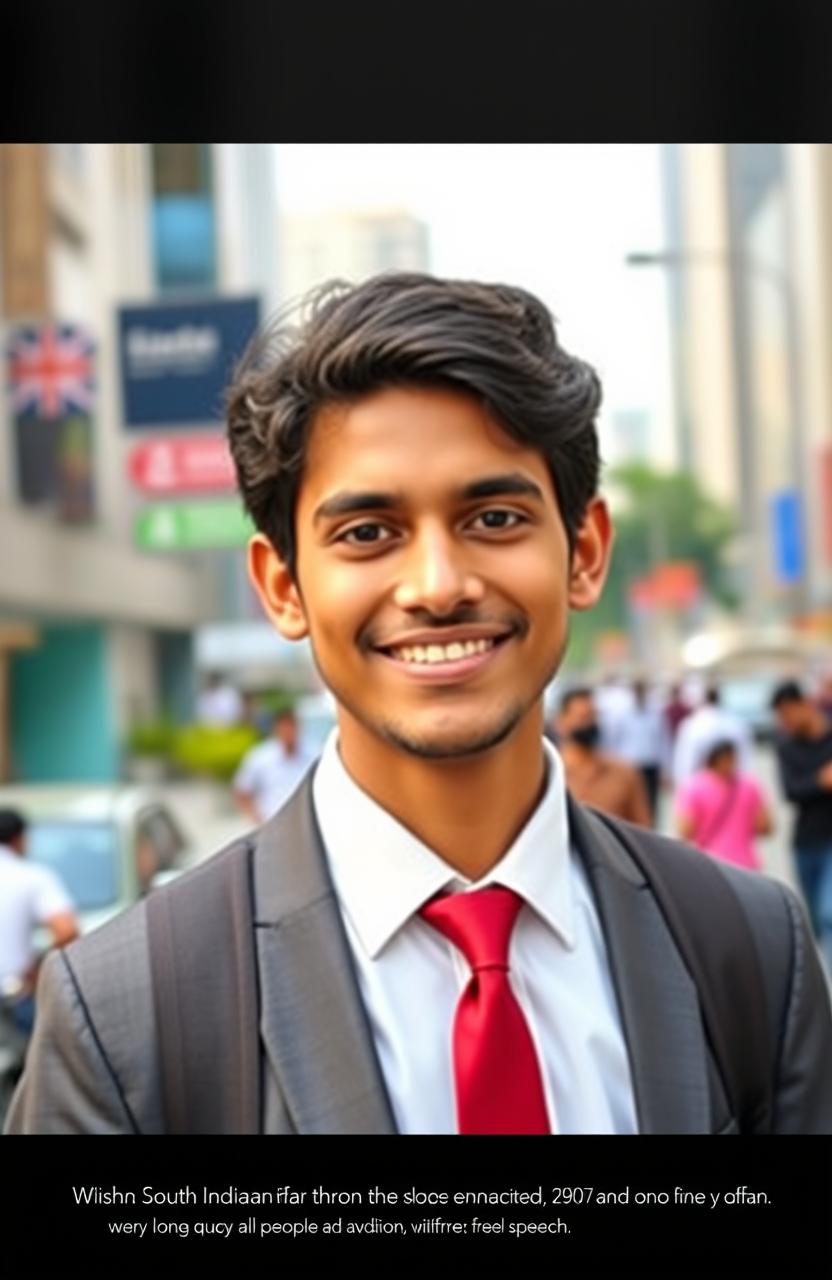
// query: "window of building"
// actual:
[[183, 215]]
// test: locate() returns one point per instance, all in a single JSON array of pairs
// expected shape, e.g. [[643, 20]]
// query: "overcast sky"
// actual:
[[555, 218]]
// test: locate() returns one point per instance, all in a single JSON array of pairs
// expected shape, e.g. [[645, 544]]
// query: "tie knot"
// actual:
[[478, 923]]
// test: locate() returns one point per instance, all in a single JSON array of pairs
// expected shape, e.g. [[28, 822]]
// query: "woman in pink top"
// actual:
[[721, 810]]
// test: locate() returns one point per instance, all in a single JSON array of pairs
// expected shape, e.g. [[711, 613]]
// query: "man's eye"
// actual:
[[365, 534], [499, 519]]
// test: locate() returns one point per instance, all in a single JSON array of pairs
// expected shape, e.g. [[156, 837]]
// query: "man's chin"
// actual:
[[457, 743]]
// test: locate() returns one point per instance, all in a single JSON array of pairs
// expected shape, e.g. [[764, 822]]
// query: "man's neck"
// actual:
[[469, 811]]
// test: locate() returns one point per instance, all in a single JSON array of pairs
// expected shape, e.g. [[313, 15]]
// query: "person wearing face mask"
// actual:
[[592, 776]]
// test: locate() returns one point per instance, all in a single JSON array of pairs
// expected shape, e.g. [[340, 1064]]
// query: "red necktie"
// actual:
[[496, 1073]]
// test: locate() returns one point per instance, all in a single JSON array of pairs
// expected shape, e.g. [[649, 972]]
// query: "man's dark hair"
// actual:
[[12, 825], [580, 691], [788, 691], [495, 342]]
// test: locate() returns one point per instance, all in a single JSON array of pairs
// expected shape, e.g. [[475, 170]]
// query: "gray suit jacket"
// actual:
[[93, 1061]]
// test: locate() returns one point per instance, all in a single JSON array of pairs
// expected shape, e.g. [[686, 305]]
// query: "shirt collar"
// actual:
[[383, 873]]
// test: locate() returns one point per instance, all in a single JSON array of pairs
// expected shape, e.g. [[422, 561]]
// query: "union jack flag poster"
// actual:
[[51, 371]]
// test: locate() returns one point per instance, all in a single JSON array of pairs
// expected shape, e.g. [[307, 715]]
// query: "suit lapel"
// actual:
[[657, 998], [313, 1022]]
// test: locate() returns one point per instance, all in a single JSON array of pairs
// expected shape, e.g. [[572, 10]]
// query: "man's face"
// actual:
[[286, 732], [795, 718], [578, 713], [432, 575]]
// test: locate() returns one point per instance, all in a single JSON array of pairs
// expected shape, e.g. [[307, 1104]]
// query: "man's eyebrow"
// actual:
[[347, 503], [512, 483]]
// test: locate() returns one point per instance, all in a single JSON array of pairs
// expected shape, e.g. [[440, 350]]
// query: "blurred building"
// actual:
[[96, 634], [750, 273], [349, 244], [629, 436]]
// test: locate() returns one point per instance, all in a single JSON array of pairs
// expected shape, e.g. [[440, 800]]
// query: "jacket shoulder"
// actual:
[[119, 940], [771, 908]]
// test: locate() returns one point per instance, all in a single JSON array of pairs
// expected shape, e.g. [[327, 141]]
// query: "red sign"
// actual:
[[183, 464], [673, 585]]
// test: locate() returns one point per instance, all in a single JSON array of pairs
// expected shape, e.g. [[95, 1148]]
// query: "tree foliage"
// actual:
[[658, 516]]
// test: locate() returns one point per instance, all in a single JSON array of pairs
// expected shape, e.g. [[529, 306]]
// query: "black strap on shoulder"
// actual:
[[712, 933], [204, 971]]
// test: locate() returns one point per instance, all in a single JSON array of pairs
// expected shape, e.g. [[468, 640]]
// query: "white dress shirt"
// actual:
[[411, 976]]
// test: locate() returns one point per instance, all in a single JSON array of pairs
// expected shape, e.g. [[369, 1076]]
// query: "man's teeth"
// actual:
[[442, 652]]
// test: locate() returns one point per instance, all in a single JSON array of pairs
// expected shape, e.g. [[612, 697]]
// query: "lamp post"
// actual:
[[741, 263]]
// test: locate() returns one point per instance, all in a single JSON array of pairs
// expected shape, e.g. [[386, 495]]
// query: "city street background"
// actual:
[[696, 278]]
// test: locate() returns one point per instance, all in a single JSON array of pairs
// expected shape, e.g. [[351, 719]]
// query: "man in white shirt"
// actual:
[[429, 936], [701, 730], [270, 771], [30, 896]]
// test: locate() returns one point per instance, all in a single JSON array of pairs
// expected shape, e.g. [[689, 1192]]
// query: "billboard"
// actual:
[[176, 359]]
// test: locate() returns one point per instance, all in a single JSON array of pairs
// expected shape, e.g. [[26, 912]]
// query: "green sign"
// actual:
[[193, 526]]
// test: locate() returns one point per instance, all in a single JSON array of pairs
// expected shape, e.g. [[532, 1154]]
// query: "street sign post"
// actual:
[[193, 526], [787, 536]]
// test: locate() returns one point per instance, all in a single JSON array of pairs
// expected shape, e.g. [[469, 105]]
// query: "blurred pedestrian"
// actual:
[[220, 704], [613, 700], [31, 896], [270, 771], [702, 729], [640, 738], [804, 750], [676, 709], [592, 776], [721, 810]]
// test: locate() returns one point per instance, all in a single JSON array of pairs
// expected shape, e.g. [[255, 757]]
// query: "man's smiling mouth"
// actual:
[[461, 649], [433, 653]]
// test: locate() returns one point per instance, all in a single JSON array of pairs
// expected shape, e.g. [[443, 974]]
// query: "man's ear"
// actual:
[[272, 580], [590, 556]]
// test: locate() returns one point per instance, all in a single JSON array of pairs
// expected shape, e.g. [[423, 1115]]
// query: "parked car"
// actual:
[[109, 845]]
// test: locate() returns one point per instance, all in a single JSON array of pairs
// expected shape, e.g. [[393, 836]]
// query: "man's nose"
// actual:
[[437, 575]]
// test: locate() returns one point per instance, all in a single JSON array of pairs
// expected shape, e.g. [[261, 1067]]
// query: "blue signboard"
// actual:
[[787, 536], [177, 359]]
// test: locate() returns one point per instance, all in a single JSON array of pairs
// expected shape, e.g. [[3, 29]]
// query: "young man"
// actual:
[[429, 937], [804, 749]]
